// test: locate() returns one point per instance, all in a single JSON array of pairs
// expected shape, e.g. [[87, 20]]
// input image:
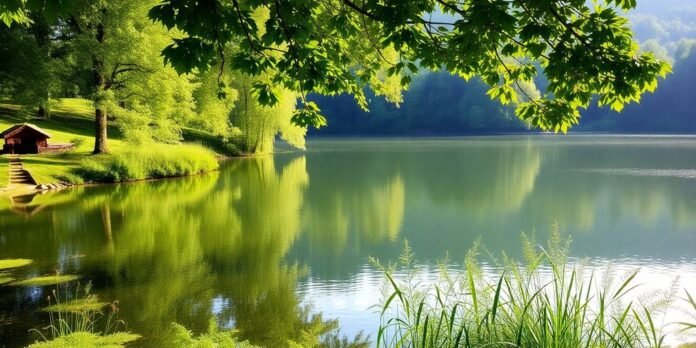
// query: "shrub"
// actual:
[[147, 162], [77, 142]]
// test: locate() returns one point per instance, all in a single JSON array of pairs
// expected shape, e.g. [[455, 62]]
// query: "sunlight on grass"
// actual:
[[71, 121], [4, 172], [90, 303], [13, 263], [47, 280], [89, 339], [73, 107], [50, 168], [4, 279], [148, 162]]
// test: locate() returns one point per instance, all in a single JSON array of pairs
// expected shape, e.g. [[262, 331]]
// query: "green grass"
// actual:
[[54, 167], [217, 144], [71, 121], [147, 162], [4, 172], [544, 302], [88, 339], [13, 263], [89, 303], [47, 280], [77, 320]]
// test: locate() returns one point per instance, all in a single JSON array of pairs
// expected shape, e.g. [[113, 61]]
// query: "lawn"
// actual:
[[72, 121]]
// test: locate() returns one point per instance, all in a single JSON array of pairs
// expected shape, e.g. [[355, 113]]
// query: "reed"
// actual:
[[78, 319], [545, 301]]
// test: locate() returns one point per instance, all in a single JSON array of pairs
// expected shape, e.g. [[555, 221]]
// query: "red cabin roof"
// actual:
[[18, 128]]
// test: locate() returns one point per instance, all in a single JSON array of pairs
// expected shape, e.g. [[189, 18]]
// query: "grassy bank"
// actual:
[[545, 302], [146, 162], [71, 121], [4, 172]]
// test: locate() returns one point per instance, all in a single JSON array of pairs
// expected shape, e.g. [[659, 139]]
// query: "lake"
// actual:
[[267, 244]]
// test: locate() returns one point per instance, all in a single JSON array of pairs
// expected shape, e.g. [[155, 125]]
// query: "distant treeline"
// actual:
[[441, 104], [671, 109]]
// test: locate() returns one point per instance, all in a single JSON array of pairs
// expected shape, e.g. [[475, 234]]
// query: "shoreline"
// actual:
[[29, 189]]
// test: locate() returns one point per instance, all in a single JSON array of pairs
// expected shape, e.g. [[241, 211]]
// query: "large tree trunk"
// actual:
[[42, 113], [100, 120], [100, 145], [41, 30]]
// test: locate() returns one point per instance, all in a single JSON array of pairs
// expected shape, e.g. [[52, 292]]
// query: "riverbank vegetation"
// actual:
[[545, 301], [128, 161], [549, 300], [146, 162], [4, 172]]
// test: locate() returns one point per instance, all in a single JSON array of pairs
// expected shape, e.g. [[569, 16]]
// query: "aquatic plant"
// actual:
[[544, 302], [13, 263], [690, 326], [77, 319], [47, 280], [321, 334], [89, 303], [183, 337], [88, 339]]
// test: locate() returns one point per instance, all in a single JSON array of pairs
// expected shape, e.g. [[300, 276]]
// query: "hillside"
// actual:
[[71, 121]]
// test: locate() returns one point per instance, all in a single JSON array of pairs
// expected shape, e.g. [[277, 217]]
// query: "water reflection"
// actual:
[[255, 243]]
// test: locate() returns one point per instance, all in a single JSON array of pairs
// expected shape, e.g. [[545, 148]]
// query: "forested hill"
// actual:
[[442, 104], [671, 109], [436, 104]]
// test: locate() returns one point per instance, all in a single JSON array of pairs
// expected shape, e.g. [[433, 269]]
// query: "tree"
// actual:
[[260, 124], [120, 47], [336, 46], [29, 64], [332, 46]]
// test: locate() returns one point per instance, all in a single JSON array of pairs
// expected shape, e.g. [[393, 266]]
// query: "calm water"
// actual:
[[266, 243]]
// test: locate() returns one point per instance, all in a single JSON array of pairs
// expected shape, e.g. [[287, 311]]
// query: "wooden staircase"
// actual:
[[18, 175]]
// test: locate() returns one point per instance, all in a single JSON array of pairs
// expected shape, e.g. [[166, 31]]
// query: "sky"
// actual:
[[669, 24]]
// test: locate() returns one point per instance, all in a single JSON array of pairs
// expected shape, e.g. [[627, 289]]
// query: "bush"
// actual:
[[77, 142], [147, 162], [222, 145]]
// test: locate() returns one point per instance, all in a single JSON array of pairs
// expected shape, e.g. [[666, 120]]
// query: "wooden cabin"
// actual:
[[24, 138]]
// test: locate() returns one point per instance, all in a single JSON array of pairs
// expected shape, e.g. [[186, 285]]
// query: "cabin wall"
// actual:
[[24, 140], [15, 145]]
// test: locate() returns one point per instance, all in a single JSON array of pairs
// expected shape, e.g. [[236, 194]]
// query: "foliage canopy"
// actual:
[[339, 46]]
